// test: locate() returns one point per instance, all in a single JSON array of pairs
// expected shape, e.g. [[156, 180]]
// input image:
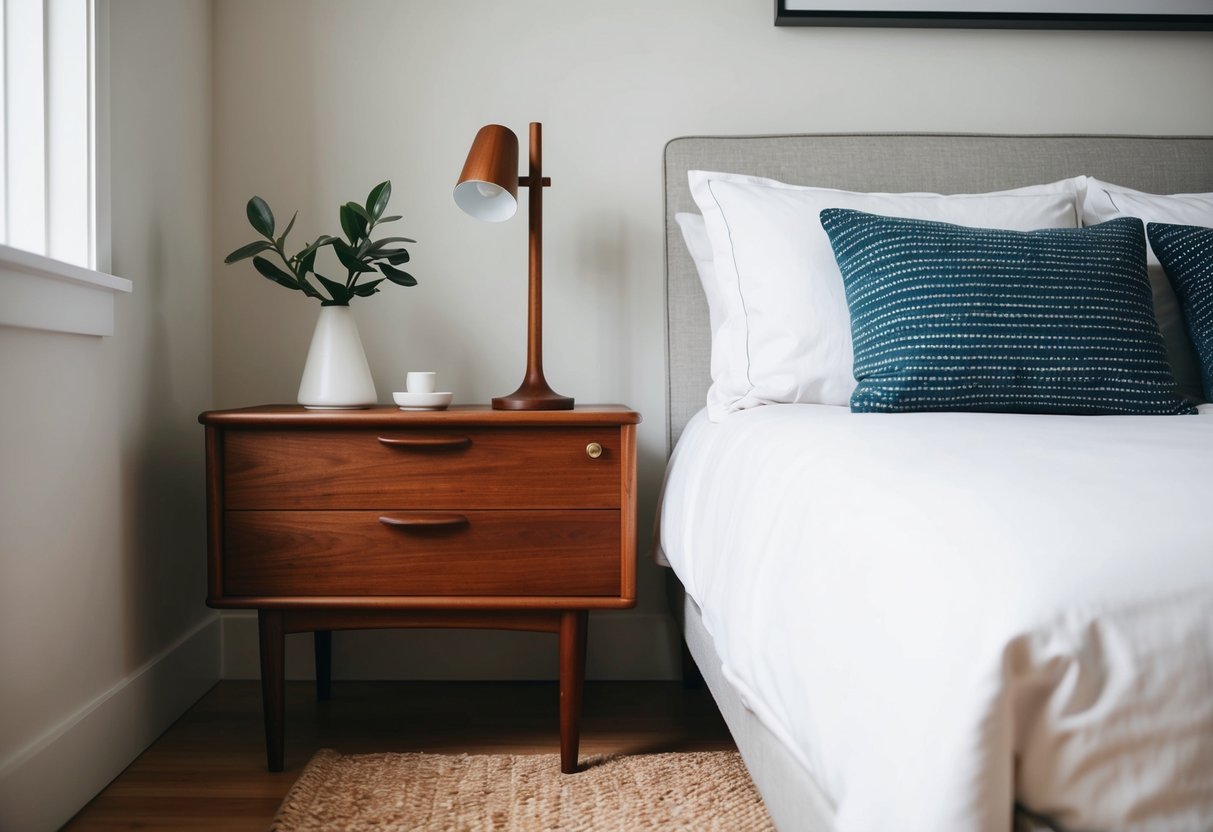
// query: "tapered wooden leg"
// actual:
[[323, 645], [573, 630], [273, 646]]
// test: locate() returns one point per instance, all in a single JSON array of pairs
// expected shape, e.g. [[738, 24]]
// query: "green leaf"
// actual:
[[378, 244], [392, 218], [349, 258], [349, 223], [308, 253], [289, 226], [260, 217], [309, 289], [359, 210], [376, 202], [247, 251], [365, 290], [274, 273], [340, 294], [395, 256], [307, 260], [400, 278], [352, 224]]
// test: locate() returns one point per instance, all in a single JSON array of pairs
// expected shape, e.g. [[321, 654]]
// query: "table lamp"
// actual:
[[488, 190]]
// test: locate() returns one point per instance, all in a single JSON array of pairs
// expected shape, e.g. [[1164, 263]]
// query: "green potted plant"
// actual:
[[336, 374]]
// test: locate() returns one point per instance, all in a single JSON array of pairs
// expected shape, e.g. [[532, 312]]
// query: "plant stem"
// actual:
[[351, 279], [304, 286]]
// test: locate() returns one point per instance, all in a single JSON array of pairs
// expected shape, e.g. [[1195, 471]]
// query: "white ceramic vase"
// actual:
[[336, 375]]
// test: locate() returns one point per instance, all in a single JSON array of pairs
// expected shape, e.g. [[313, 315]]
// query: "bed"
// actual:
[[943, 620]]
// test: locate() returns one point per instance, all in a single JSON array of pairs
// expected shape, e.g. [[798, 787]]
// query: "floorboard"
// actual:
[[208, 770]]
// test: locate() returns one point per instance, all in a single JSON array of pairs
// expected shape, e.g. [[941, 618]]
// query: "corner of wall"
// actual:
[[44, 784]]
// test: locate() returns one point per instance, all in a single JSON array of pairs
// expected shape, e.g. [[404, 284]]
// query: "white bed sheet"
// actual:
[[942, 613]]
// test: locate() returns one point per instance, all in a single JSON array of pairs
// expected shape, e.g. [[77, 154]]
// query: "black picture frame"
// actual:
[[880, 15]]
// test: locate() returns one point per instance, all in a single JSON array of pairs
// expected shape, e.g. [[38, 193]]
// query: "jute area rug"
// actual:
[[708, 790]]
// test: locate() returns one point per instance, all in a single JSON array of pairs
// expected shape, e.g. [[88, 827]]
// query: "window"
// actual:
[[49, 171]]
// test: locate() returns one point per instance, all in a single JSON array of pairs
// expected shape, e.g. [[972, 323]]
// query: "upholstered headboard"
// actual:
[[889, 162]]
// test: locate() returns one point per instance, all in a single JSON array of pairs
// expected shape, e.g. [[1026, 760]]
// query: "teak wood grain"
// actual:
[[351, 469], [465, 415], [470, 517], [355, 553]]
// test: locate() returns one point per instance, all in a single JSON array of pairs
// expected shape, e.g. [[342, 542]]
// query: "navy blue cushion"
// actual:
[[1186, 254], [946, 317]]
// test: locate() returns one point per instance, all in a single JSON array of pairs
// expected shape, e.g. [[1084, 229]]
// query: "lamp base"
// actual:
[[533, 395]]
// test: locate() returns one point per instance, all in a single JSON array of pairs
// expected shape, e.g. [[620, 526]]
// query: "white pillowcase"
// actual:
[[695, 235], [785, 333], [1104, 201]]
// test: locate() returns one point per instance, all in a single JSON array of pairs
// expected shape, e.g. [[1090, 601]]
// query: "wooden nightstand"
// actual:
[[378, 518]]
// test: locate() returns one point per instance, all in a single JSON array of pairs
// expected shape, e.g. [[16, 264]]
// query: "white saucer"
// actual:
[[422, 401]]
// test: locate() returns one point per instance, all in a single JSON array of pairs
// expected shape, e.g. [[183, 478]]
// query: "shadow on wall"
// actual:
[[162, 467]]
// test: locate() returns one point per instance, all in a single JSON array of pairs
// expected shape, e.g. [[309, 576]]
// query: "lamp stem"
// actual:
[[534, 345], [534, 393]]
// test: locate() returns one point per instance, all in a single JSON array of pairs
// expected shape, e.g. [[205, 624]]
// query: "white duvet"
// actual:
[[943, 613]]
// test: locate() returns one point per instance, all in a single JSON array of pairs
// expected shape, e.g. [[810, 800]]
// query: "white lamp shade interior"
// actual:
[[485, 200]]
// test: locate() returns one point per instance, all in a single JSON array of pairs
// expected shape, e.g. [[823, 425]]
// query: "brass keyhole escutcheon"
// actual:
[[593, 450]]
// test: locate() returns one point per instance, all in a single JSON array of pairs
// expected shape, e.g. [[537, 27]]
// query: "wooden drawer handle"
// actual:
[[427, 442], [423, 520]]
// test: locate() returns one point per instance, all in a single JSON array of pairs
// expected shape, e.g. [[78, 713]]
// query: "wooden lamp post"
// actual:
[[488, 190]]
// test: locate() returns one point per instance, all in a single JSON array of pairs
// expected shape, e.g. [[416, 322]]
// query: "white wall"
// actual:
[[317, 101], [104, 636]]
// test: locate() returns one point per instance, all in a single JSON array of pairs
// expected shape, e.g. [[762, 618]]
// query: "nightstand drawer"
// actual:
[[412, 553], [472, 468]]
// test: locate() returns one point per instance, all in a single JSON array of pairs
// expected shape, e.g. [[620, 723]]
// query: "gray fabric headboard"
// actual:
[[889, 162]]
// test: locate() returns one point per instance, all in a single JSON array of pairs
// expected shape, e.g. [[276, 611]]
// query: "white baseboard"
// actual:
[[52, 778], [622, 646]]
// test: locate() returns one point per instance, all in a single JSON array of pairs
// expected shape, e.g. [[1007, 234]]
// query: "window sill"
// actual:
[[41, 293]]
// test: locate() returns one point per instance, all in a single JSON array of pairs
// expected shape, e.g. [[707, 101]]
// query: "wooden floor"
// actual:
[[208, 770]]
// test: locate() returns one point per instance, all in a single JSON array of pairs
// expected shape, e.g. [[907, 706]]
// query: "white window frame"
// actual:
[[42, 291]]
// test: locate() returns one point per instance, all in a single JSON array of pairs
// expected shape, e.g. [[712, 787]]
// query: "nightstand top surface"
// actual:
[[292, 415]]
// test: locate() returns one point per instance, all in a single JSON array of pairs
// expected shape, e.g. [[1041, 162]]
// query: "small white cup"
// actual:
[[416, 382]]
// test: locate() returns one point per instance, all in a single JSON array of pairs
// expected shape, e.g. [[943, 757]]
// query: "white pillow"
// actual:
[[786, 330], [695, 235], [1103, 202]]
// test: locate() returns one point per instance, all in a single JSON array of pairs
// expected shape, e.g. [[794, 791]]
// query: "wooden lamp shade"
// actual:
[[488, 189]]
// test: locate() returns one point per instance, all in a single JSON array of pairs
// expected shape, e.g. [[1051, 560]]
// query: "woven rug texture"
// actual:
[[708, 790]]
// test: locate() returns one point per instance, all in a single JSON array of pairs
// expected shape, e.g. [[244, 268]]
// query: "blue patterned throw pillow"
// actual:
[[1186, 254], [946, 317]]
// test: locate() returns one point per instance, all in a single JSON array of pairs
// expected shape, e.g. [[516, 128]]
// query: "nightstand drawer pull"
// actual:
[[423, 520], [593, 450], [424, 442]]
